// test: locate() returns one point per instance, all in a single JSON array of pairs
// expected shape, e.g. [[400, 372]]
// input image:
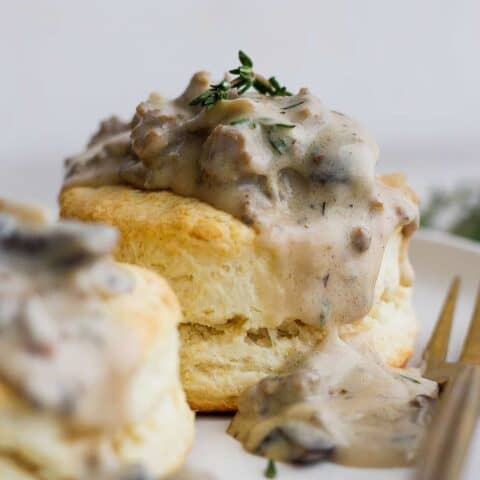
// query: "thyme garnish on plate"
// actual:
[[246, 78], [271, 470]]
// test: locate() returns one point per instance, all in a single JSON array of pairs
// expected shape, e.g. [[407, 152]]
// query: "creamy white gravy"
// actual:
[[303, 176], [58, 346], [344, 406]]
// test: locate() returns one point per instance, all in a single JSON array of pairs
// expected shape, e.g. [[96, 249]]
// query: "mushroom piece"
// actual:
[[360, 238], [59, 247], [326, 169], [296, 441], [230, 154]]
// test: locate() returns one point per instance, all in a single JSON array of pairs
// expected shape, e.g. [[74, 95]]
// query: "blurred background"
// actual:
[[408, 70]]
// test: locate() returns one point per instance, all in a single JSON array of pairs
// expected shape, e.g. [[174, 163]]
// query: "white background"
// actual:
[[409, 70]]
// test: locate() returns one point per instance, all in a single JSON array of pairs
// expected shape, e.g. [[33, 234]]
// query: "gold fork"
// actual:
[[443, 451]]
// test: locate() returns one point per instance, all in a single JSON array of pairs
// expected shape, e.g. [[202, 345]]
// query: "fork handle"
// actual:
[[443, 452]]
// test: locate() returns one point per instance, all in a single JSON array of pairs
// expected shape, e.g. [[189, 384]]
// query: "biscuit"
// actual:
[[214, 266], [43, 445]]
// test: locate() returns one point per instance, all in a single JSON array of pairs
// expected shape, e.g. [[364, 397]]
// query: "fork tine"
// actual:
[[437, 347], [471, 346]]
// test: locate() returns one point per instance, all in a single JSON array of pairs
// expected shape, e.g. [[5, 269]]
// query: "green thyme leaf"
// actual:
[[271, 470], [277, 89], [246, 79], [293, 105], [270, 122], [277, 138], [245, 60], [217, 92], [278, 143], [406, 377], [239, 121], [261, 85]]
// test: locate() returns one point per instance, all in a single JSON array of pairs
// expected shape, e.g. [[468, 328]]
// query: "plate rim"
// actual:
[[447, 239]]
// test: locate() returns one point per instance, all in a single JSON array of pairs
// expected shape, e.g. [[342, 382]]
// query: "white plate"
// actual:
[[437, 258]]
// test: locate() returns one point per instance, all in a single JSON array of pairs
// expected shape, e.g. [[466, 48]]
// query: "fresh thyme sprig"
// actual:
[[246, 78], [218, 91]]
